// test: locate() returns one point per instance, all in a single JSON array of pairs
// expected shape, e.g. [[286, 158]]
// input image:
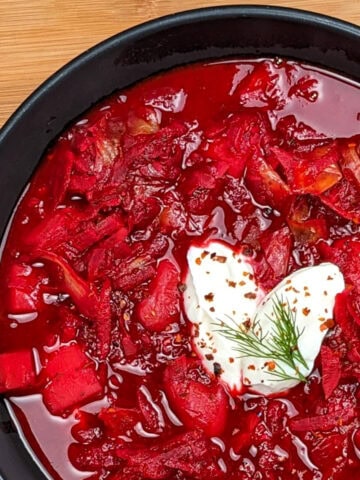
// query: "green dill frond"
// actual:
[[281, 344]]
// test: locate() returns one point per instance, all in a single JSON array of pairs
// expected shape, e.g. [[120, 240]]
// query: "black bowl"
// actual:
[[240, 31]]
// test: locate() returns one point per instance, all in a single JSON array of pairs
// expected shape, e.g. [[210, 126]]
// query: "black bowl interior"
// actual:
[[213, 33]]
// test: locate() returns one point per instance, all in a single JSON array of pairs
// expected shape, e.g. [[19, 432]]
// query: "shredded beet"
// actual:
[[17, 371], [322, 423], [331, 370], [198, 400]]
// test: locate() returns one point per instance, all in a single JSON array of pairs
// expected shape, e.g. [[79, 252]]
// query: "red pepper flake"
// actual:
[[306, 311], [251, 367], [288, 282], [212, 309], [231, 283], [198, 261], [242, 283], [329, 323], [307, 294], [270, 365], [209, 297], [209, 356], [325, 293], [247, 381], [245, 274], [330, 277], [204, 254], [231, 360], [295, 301], [250, 295]]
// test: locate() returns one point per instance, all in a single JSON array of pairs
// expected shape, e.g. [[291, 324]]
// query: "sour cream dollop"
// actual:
[[222, 290]]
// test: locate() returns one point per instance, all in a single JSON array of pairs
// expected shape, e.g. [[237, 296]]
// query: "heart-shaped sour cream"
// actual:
[[222, 292]]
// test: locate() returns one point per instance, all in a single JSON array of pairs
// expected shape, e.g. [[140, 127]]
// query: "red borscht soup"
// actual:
[[181, 282]]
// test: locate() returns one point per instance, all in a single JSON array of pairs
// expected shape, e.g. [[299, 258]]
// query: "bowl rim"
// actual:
[[155, 25]]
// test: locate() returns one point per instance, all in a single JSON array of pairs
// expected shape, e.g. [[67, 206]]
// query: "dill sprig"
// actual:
[[280, 344]]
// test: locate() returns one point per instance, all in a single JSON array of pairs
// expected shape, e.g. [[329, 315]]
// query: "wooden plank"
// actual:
[[39, 36]]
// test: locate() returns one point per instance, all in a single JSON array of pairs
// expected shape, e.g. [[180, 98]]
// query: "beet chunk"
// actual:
[[331, 370], [277, 248], [94, 457], [266, 184], [71, 380], [58, 227], [150, 410], [24, 283], [62, 159], [93, 303], [65, 360], [66, 391], [198, 400], [344, 199], [118, 420], [17, 371], [323, 422], [243, 438], [328, 453], [261, 87], [237, 142], [88, 427], [192, 453], [161, 307], [147, 463]]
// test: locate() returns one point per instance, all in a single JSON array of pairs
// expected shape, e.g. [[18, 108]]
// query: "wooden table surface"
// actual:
[[39, 36]]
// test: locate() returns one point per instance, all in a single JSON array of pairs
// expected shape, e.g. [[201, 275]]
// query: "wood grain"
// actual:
[[37, 37]]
